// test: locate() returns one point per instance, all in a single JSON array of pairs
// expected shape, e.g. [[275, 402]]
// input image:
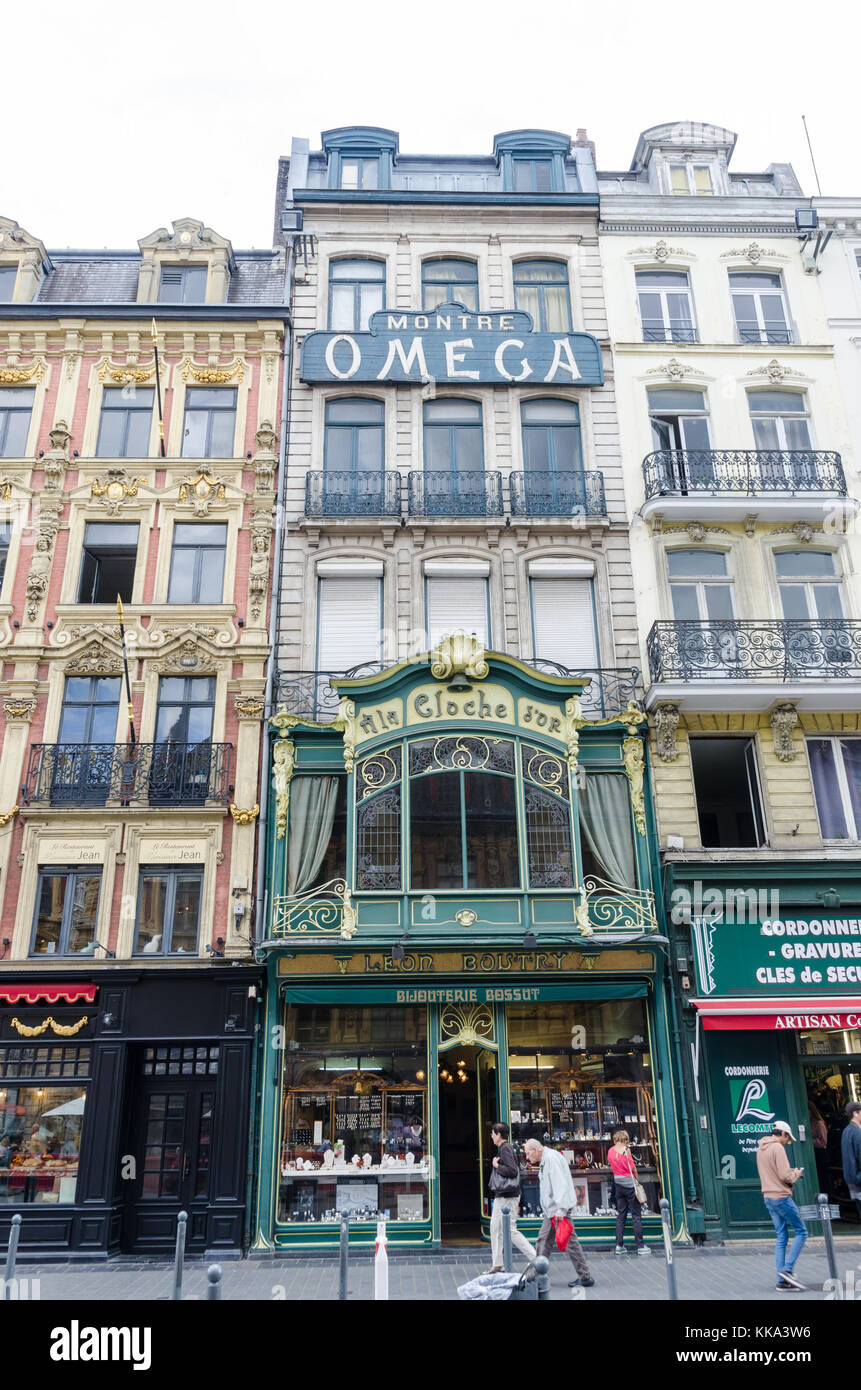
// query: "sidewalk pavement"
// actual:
[[732, 1273]]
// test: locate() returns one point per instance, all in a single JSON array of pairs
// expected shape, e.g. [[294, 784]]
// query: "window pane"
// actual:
[[194, 434], [137, 437], [548, 834], [438, 448], [186, 914], [543, 412], [49, 913], [378, 842], [338, 452], [851, 748], [663, 279], [677, 400], [369, 449], [435, 831], [451, 410], [702, 179], [829, 804], [151, 913], [369, 170], [558, 310], [222, 433], [718, 599], [469, 453], [678, 178], [797, 434], [536, 450], [696, 562], [357, 270], [349, 173], [491, 831], [793, 601], [695, 432], [341, 313], [527, 298], [112, 425], [754, 280], [41, 1142], [828, 600], [355, 411], [685, 606], [181, 587], [727, 801], [84, 906], [542, 175], [540, 271], [370, 301], [522, 176], [804, 563], [765, 435], [211, 587]]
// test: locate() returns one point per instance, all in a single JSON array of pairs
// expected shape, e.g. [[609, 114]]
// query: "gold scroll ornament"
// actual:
[[66, 1030]]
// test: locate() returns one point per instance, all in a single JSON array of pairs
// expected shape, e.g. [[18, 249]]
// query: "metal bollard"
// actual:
[[542, 1275], [213, 1287], [343, 1252], [506, 1240], [668, 1249], [11, 1255], [179, 1254], [828, 1233]]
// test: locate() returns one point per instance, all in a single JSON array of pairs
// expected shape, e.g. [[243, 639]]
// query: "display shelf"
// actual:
[[354, 1174]]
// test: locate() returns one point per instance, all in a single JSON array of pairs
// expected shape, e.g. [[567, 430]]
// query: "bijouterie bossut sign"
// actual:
[[453, 346], [781, 956]]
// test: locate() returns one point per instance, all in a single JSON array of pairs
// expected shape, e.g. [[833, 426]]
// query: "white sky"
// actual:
[[119, 121]]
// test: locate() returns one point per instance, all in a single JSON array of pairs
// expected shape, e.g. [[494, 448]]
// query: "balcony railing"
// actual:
[[127, 774], [472, 492], [788, 649], [657, 331], [310, 694], [357, 493], [748, 472], [557, 494]]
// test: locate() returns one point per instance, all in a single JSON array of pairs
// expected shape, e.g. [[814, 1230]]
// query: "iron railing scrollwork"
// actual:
[[567, 493], [470, 492], [787, 649], [127, 774], [748, 472], [357, 493]]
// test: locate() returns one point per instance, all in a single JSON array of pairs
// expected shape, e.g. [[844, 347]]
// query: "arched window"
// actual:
[[449, 281], [355, 436], [541, 288], [357, 289]]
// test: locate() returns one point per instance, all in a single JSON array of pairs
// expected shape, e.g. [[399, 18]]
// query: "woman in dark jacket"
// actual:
[[505, 1194]]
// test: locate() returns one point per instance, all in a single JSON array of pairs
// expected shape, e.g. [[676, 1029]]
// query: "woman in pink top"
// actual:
[[625, 1177]]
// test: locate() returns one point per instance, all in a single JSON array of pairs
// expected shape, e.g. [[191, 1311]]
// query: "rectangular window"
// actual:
[[760, 307], [360, 173], [16, 408], [357, 289], [354, 1083], [168, 912], [457, 605], [317, 843], [578, 1071], [810, 587], [666, 311], [541, 288], [8, 276], [41, 1141], [108, 562], [463, 830], [209, 428], [67, 904], [727, 791], [691, 179], [835, 766], [182, 284], [533, 175], [185, 709], [197, 563], [563, 622], [349, 622], [125, 422]]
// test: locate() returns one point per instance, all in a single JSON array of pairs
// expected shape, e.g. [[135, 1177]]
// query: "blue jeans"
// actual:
[[784, 1213]]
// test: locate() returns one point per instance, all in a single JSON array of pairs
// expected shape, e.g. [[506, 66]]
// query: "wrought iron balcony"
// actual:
[[472, 492], [127, 774], [657, 331], [357, 493], [745, 472], [310, 694], [570, 493], [780, 649]]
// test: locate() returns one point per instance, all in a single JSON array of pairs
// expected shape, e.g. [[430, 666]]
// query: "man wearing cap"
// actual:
[[850, 1149], [777, 1180]]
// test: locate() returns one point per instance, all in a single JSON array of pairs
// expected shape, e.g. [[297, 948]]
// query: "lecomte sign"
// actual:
[[779, 955], [453, 346]]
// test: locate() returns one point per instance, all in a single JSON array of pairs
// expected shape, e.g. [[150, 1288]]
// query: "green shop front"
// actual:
[[462, 929], [772, 971]]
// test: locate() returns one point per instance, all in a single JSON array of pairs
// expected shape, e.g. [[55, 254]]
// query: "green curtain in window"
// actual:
[[605, 820], [312, 814]]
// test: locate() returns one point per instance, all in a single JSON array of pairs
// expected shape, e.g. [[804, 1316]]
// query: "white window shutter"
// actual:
[[349, 623], [563, 618], [457, 605]]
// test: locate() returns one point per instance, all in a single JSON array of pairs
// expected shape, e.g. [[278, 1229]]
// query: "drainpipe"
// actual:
[[274, 615]]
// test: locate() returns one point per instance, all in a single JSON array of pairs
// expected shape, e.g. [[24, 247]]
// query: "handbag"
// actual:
[[502, 1186], [563, 1230], [639, 1190]]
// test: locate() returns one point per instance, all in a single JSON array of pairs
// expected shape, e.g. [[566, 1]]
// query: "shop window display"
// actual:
[[578, 1070], [40, 1140], [354, 1115]]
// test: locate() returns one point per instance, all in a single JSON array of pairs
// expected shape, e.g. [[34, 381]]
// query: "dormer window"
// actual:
[[533, 175], [691, 179], [360, 173], [532, 161], [8, 276], [182, 284]]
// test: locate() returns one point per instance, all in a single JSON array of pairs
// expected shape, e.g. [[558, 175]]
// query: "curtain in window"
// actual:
[[605, 819], [312, 815]]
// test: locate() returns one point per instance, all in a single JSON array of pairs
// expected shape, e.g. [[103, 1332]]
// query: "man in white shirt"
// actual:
[[557, 1200]]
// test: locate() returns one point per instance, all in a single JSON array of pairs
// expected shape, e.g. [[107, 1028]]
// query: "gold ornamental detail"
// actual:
[[609, 906], [125, 376], [203, 487], [65, 1030], [13, 376], [460, 654], [632, 750], [466, 916], [5, 488], [244, 817], [324, 911], [115, 488], [212, 376], [464, 1025], [284, 762], [8, 816]]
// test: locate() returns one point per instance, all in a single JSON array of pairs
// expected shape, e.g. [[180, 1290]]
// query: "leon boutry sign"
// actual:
[[454, 346]]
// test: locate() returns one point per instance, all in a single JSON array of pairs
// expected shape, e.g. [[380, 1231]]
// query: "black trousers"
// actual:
[[627, 1202]]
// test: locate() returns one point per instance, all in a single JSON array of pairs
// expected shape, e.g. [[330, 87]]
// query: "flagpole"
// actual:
[[132, 738], [158, 389]]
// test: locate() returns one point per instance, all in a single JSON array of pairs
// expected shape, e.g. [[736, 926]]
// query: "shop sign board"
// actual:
[[747, 1088], [490, 703], [452, 346], [781, 956]]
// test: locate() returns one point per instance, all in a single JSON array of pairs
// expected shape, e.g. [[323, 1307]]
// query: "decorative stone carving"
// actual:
[[783, 720], [574, 722], [57, 459], [774, 371], [16, 376], [661, 251], [244, 817], [632, 751], [188, 656], [459, 654], [283, 764], [17, 708], [125, 376], [40, 568], [753, 253], [346, 723], [212, 376], [696, 530], [95, 659], [265, 460], [803, 532], [201, 490], [666, 731], [5, 489], [674, 370], [249, 706], [113, 487], [258, 575]]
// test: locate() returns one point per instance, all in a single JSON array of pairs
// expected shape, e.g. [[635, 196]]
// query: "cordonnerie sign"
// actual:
[[454, 346]]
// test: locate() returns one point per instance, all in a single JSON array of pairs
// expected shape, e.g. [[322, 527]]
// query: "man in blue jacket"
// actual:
[[850, 1148]]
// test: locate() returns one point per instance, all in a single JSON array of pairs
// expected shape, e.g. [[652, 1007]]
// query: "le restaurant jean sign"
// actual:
[[453, 346]]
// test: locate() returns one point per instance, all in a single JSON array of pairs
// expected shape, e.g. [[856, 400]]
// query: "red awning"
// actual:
[[781, 1014], [48, 994]]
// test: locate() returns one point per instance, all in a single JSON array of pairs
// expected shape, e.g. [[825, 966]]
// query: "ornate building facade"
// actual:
[[743, 488], [139, 396], [461, 856]]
